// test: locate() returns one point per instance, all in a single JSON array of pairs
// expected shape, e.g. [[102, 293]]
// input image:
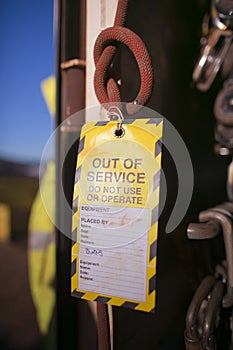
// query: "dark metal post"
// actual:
[[70, 74]]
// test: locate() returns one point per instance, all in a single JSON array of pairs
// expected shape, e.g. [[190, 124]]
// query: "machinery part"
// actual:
[[223, 106], [205, 318], [226, 224], [222, 215], [222, 14], [211, 58], [224, 137], [221, 150], [220, 271], [104, 50], [227, 206], [192, 335], [223, 209], [230, 181], [205, 230], [208, 341], [227, 66]]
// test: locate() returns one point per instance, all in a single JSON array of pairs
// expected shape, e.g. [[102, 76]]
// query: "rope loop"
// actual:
[[107, 91]]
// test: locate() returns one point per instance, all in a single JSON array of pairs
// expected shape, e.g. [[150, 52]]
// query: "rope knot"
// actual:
[[107, 91]]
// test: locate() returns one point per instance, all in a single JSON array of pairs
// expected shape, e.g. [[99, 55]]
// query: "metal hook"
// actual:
[[227, 207], [205, 230], [221, 271], [211, 314], [192, 336], [211, 58], [226, 224]]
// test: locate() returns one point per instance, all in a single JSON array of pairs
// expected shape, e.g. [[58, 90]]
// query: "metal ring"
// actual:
[[115, 111]]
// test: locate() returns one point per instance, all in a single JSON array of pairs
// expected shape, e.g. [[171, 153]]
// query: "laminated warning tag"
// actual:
[[115, 213]]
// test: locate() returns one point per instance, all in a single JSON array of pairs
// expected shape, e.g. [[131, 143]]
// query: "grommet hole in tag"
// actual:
[[114, 113], [120, 131]]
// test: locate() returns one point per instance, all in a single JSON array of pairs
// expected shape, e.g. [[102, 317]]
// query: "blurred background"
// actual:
[[27, 59]]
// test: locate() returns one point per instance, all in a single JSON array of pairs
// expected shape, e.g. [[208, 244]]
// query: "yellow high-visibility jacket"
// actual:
[[41, 250]]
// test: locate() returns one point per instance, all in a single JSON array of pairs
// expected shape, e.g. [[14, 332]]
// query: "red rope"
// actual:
[[103, 327], [108, 92], [104, 50]]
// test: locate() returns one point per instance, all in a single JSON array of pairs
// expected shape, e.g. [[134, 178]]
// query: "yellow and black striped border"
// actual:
[[152, 126]]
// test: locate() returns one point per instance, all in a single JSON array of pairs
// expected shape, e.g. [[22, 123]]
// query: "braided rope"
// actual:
[[107, 91], [103, 327]]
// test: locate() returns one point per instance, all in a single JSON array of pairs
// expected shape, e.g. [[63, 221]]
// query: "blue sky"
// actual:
[[27, 56]]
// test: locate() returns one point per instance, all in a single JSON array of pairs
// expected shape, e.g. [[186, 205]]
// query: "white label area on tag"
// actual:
[[113, 251], [115, 214]]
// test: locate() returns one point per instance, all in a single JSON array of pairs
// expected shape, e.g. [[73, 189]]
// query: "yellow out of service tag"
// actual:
[[115, 213]]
